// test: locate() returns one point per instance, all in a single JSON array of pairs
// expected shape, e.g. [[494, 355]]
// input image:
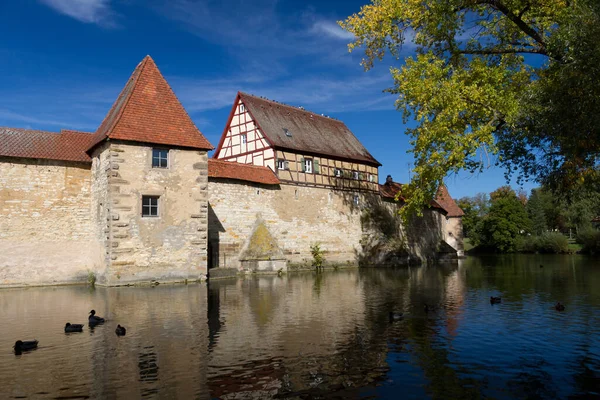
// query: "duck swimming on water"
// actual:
[[94, 319], [559, 306], [120, 331], [495, 300], [69, 327], [25, 345]]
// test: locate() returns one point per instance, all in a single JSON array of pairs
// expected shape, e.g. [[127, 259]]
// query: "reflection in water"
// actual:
[[148, 366], [319, 335]]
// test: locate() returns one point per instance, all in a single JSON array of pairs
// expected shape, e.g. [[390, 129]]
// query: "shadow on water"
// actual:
[[324, 335]]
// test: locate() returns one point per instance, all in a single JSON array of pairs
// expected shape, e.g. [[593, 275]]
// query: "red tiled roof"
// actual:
[[310, 132], [148, 111], [442, 199], [389, 190], [242, 172], [446, 202], [28, 143]]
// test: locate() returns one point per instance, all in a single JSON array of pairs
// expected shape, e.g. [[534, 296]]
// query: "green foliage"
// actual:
[[472, 93], [553, 242], [589, 240], [317, 254], [537, 214], [91, 279], [475, 208], [506, 221]]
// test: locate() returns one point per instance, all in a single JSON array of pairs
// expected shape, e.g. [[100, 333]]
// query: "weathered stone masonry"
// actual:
[[47, 228], [71, 202], [170, 247]]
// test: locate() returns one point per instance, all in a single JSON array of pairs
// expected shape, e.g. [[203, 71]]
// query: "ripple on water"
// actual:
[[307, 336]]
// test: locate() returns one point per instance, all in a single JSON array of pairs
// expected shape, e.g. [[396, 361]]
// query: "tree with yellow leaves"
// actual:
[[509, 82]]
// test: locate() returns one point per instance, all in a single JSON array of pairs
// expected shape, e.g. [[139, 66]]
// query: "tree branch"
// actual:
[[528, 30], [506, 51]]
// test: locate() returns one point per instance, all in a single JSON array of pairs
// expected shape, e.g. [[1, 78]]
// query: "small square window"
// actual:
[[281, 164], [355, 174], [150, 206], [371, 178], [356, 200], [308, 165], [242, 108], [160, 158], [338, 173], [244, 138]]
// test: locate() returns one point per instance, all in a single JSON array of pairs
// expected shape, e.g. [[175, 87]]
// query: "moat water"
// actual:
[[318, 335]]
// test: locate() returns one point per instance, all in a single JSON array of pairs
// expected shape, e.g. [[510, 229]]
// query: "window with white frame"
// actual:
[[355, 174], [356, 200], [160, 158], [371, 178], [242, 108], [338, 173], [281, 164], [244, 138], [308, 165], [150, 206]]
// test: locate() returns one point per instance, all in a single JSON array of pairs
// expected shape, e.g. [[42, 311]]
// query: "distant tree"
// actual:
[[475, 208], [482, 203], [470, 219], [580, 212], [522, 196], [506, 221], [537, 214], [503, 192]]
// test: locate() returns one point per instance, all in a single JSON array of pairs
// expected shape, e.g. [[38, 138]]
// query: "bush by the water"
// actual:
[[549, 242], [589, 240]]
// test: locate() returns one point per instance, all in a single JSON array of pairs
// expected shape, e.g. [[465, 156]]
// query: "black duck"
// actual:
[[94, 319], [69, 327], [120, 331], [25, 345]]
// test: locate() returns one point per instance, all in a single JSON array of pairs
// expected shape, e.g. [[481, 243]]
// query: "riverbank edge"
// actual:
[[230, 273]]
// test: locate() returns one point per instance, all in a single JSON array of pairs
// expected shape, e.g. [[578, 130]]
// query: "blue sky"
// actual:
[[63, 63]]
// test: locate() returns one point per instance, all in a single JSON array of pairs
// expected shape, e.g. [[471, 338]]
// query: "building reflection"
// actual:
[[308, 336]]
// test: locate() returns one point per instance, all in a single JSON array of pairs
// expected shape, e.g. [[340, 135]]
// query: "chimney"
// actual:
[[389, 180]]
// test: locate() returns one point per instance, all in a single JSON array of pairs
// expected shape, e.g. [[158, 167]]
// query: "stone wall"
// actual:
[[295, 216], [170, 247], [427, 237], [47, 229], [298, 217]]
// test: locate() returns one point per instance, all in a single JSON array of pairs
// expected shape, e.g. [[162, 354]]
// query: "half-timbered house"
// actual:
[[300, 146]]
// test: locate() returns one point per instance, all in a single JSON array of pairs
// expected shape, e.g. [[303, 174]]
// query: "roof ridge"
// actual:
[[76, 131], [121, 111], [179, 101], [275, 102], [29, 130]]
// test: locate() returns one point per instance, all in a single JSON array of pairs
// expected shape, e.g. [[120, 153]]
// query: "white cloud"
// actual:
[[87, 11], [333, 30], [8, 118], [318, 94]]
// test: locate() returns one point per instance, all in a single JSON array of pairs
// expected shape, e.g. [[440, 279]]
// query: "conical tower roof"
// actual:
[[148, 111]]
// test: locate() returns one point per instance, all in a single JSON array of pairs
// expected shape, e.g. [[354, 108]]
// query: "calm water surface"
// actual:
[[318, 336]]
